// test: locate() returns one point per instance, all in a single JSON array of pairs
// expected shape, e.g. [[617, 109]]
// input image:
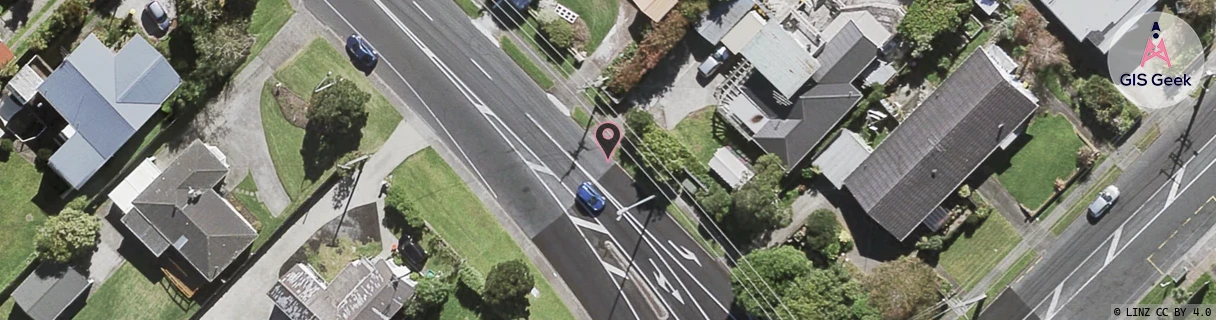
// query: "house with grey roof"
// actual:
[[978, 109], [795, 98], [52, 291], [182, 218], [1099, 25], [105, 97], [364, 289]]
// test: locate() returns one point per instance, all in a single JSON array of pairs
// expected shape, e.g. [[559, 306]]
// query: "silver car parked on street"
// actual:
[[1105, 200]]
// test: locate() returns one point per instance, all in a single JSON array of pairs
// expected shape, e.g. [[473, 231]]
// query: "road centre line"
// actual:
[[647, 236], [1138, 210], [427, 51], [425, 106], [483, 71]]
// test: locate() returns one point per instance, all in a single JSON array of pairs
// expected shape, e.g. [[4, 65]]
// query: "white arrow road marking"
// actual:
[[613, 269], [540, 168], [684, 252], [1176, 180], [662, 280], [589, 225], [1114, 243], [1055, 297]]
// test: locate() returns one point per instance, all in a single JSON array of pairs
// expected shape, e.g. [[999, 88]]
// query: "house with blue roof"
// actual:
[[104, 97]]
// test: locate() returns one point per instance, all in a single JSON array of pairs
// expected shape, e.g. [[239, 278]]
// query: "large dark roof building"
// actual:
[[50, 291], [181, 209], [364, 289], [798, 124], [941, 143]]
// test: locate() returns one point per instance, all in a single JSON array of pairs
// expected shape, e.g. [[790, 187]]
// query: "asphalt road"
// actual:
[[532, 157], [1165, 207]]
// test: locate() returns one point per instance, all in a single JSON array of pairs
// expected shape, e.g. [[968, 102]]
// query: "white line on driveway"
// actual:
[[428, 16]]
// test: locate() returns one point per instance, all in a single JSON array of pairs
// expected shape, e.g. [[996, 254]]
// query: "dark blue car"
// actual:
[[361, 51], [590, 198]]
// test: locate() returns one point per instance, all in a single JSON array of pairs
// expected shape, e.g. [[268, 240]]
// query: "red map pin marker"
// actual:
[[608, 136]]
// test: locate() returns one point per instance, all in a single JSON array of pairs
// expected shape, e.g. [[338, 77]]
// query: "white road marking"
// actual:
[[428, 16], [1114, 243], [1133, 239], [427, 107], [663, 283], [613, 269], [589, 225], [1055, 297], [483, 71], [1175, 180], [684, 252], [540, 168], [647, 236]]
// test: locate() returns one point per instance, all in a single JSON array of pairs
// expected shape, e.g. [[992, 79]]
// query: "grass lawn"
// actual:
[[581, 117], [969, 259], [975, 44], [469, 8], [268, 17], [697, 132], [20, 183], [328, 261], [1148, 138], [685, 221], [1050, 153], [246, 194], [1078, 207], [301, 74], [454, 211], [530, 68], [1158, 294], [1011, 273], [127, 294], [600, 15], [1209, 297]]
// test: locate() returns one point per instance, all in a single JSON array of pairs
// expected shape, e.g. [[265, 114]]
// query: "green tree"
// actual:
[[665, 153], [763, 270], [769, 170], [654, 46], [935, 242], [928, 19], [506, 288], [639, 121], [902, 288], [429, 296], [822, 234], [338, 113], [67, 235], [828, 294], [755, 208], [715, 200], [398, 202], [559, 32], [471, 278], [221, 51]]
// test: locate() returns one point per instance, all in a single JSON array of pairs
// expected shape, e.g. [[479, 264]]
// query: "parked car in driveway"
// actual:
[[158, 14], [1105, 200], [715, 60], [590, 198], [362, 51]]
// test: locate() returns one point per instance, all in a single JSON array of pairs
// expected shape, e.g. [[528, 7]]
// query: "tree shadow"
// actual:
[[469, 299], [323, 146], [20, 10]]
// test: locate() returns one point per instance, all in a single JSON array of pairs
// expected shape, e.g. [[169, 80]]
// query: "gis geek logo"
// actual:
[[1156, 61], [1155, 51]]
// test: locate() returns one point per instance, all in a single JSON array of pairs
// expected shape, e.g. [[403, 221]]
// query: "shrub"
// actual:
[[1086, 157], [43, 157], [346, 158], [397, 201], [471, 278], [846, 241], [809, 173], [972, 221], [984, 212], [6, 146], [964, 191], [9, 71], [559, 32], [639, 121], [715, 200], [506, 288], [928, 19], [429, 295], [79, 203], [1102, 103], [931, 243], [655, 45], [822, 234]]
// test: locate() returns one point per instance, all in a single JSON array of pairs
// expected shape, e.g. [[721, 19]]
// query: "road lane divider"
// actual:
[[655, 302]]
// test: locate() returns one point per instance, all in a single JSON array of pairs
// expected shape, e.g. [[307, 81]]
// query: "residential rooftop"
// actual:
[[1101, 24], [364, 289]]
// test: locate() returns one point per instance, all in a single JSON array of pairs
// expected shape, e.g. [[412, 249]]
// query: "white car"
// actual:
[[1105, 200]]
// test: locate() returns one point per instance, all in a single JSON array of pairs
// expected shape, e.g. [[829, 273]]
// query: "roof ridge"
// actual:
[[120, 93]]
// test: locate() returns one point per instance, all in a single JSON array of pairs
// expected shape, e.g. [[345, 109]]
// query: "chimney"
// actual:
[[194, 194]]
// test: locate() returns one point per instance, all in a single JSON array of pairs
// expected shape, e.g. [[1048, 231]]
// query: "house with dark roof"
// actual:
[[105, 98], [181, 217], [364, 289], [52, 291], [976, 110], [796, 97]]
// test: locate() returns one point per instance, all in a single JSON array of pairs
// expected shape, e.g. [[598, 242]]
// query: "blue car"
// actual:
[[590, 198], [361, 50]]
